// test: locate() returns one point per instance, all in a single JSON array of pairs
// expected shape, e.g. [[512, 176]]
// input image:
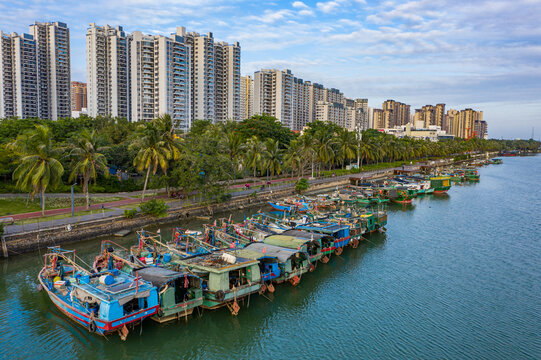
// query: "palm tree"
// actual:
[[38, 166], [254, 153], [324, 148], [165, 125], [88, 160], [234, 147], [293, 156], [346, 145], [364, 151], [153, 152], [306, 142], [273, 156]]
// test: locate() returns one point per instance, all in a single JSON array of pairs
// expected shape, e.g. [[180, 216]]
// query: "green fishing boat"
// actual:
[[179, 292], [440, 184], [471, 175], [226, 278], [300, 240]]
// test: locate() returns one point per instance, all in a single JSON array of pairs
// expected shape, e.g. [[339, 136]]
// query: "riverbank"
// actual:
[[17, 240]]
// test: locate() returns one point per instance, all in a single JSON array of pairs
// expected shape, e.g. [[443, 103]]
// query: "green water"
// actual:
[[455, 276]]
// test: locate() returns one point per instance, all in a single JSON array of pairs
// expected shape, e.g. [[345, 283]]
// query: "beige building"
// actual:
[[331, 112], [273, 94], [466, 123], [78, 96], [395, 113], [246, 97], [378, 119]]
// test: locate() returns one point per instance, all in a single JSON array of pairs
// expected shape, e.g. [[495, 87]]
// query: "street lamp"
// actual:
[[72, 207]]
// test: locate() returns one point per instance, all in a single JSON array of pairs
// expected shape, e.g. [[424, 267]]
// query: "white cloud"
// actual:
[[299, 5]]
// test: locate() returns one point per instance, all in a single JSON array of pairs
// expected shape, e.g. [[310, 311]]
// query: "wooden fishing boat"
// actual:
[[339, 232], [103, 302], [303, 241], [277, 264], [226, 278], [178, 292], [440, 184], [471, 175]]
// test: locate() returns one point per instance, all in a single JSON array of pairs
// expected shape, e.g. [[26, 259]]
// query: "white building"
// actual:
[[227, 80], [107, 71], [273, 95], [53, 69], [18, 76]]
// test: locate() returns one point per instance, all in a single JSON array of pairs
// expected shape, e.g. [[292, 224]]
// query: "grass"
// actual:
[[58, 217], [11, 206]]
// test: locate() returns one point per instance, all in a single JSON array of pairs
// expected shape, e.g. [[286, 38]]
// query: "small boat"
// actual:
[[303, 241], [122, 233], [339, 232], [103, 302], [440, 184]]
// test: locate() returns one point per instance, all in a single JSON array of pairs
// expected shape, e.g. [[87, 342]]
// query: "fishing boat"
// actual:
[[226, 278], [103, 302], [339, 232], [286, 207], [306, 242], [496, 161], [440, 184], [471, 174], [179, 292], [277, 264]]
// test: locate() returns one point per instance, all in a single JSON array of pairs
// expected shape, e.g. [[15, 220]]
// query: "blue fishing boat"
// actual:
[[102, 302], [338, 231]]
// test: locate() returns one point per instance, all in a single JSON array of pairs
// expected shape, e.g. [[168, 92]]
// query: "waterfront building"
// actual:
[[18, 76], [107, 71], [378, 119], [227, 79], [246, 97], [395, 113], [361, 115], [78, 96], [35, 72], [273, 94], [432, 132], [331, 112], [53, 69], [160, 78]]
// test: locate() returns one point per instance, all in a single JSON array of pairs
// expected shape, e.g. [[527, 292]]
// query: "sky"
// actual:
[[485, 55]]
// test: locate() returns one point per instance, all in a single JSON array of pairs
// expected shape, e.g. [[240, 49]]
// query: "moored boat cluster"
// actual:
[[227, 262]]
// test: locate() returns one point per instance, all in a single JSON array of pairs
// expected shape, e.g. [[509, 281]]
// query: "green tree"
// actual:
[[273, 157], [254, 154], [38, 167], [88, 160], [153, 151], [347, 145]]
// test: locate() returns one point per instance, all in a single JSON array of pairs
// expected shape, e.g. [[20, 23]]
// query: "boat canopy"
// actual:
[[268, 250], [214, 262], [324, 227], [304, 235], [288, 241], [159, 276]]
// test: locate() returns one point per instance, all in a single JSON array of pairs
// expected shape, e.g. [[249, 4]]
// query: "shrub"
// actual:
[[301, 185], [130, 213], [154, 207], [1, 229], [223, 197]]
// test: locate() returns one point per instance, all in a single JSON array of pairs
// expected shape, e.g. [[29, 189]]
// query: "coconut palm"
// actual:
[[293, 156], [165, 125], [347, 145], [235, 147], [88, 160], [273, 156], [38, 167], [153, 151], [306, 142], [324, 148], [364, 151], [254, 154]]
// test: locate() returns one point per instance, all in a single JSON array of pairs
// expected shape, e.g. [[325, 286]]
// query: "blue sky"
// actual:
[[480, 54]]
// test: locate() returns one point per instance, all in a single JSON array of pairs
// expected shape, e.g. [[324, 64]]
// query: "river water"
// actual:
[[455, 276]]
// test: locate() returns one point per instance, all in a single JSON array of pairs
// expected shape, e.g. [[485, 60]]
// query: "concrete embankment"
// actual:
[[34, 240]]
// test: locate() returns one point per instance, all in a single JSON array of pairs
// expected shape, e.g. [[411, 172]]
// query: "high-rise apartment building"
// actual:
[[18, 76], [107, 71], [160, 78], [466, 123], [332, 112], [78, 96], [395, 113], [273, 95], [439, 116], [227, 73], [378, 119], [246, 97], [361, 114], [53, 69]]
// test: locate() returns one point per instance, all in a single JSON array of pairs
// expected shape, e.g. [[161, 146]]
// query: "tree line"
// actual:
[[37, 156]]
